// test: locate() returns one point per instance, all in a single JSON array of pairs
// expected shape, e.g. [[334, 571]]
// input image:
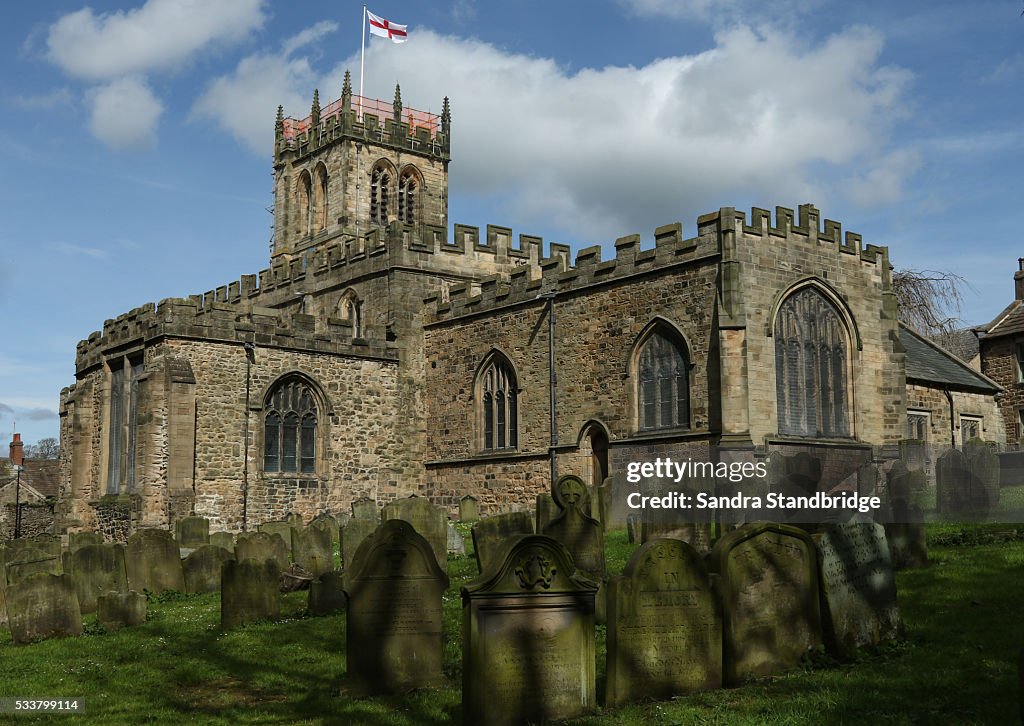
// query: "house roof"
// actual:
[[930, 363], [43, 475], [1008, 322]]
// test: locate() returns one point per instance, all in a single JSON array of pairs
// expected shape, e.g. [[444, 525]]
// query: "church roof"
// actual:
[[929, 363]]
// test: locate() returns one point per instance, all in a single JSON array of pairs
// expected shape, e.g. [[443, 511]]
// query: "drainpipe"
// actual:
[[550, 297], [250, 352], [952, 423]]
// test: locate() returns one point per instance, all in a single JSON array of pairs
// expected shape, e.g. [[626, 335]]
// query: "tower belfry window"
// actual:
[[380, 183], [407, 191]]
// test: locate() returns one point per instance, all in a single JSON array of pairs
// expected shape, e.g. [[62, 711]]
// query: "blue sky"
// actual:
[[135, 137]]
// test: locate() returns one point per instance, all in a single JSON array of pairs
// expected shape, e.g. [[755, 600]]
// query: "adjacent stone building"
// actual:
[[1002, 357], [382, 354]]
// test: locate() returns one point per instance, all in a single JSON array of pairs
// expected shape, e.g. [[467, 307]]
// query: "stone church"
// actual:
[[383, 354]]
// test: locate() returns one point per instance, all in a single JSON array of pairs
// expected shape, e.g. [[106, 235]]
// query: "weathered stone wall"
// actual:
[[36, 518], [998, 363]]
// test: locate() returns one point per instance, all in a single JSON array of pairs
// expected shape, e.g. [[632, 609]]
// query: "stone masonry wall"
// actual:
[[998, 363]]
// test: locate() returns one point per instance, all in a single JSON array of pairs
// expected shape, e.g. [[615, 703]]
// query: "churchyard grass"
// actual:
[[957, 665]]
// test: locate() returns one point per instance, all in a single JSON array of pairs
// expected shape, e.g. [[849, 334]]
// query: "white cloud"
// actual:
[[58, 98], [94, 252], [882, 182], [124, 113], [159, 35], [720, 11], [608, 151], [308, 36]]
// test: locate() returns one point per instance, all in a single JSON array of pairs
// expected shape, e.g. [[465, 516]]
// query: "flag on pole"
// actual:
[[386, 29]]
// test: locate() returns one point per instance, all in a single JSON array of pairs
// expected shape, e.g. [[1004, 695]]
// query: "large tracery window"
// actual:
[[289, 429], [663, 377], [380, 190], [499, 405], [407, 190], [811, 356]]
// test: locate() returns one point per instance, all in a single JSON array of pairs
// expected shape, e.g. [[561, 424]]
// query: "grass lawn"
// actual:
[[958, 664]]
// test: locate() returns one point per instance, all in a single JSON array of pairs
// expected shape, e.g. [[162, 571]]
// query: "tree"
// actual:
[[48, 448], [929, 301]]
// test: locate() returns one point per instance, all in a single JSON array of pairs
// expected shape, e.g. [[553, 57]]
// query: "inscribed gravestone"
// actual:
[[283, 529], [116, 610], [952, 483], [43, 606], [327, 594], [858, 588], [456, 544], [329, 524], [153, 562], [634, 528], [250, 591], [261, 546], [664, 626], [202, 568], [469, 509], [528, 637], [983, 467], [96, 570], [223, 539], [81, 539], [768, 580], [908, 541], [429, 521], [342, 519], [352, 535], [45, 542], [365, 508], [394, 622], [192, 532], [581, 534], [294, 519], [30, 561], [312, 550], [547, 510], [490, 534], [695, 534]]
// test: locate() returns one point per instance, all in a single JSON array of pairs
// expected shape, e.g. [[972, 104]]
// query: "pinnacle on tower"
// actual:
[[398, 103], [446, 117], [279, 121], [314, 113], [346, 92]]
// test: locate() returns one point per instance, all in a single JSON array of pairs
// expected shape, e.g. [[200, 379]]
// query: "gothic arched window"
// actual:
[[663, 382], [499, 413], [321, 197], [304, 192], [350, 309], [408, 188], [380, 195], [811, 355], [289, 429]]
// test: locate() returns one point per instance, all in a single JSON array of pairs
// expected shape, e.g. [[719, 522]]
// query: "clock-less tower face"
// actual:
[[356, 165]]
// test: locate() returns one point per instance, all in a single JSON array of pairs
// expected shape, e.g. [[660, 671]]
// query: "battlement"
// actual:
[[366, 119]]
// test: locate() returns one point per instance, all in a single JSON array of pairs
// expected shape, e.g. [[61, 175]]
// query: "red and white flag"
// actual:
[[387, 29]]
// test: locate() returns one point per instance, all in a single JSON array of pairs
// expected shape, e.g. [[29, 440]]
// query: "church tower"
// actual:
[[356, 166]]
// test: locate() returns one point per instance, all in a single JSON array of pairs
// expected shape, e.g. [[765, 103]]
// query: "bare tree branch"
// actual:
[[930, 301]]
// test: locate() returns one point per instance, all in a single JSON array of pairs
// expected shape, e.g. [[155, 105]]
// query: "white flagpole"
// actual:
[[362, 54]]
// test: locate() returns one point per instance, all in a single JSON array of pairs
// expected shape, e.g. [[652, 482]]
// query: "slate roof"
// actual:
[[43, 475], [1008, 322], [961, 343], [929, 363]]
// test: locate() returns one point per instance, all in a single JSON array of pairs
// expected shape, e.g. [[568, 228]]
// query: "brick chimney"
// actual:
[[17, 456], [1018, 280]]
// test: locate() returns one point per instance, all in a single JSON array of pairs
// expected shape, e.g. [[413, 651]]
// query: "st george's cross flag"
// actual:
[[386, 29]]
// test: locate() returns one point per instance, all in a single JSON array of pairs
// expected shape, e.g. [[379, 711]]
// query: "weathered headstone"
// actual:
[[858, 587], [582, 535], [192, 532], [768, 580], [328, 523], [153, 562], [342, 519], [908, 540], [116, 610], [456, 544], [30, 561], [202, 568], [281, 528], [250, 591], [352, 535], [695, 534], [365, 508], [223, 539], [952, 482], [327, 594], [43, 606], [312, 550], [469, 509], [796, 475], [394, 622], [634, 528], [430, 521], [547, 510], [664, 626], [48, 543], [983, 467], [528, 638], [81, 539], [261, 546], [96, 570], [903, 484], [491, 533], [294, 520]]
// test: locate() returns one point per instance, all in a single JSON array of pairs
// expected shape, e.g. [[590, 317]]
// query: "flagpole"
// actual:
[[362, 55]]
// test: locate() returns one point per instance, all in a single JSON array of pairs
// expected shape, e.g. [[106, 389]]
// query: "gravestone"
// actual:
[[547, 510], [352, 535], [908, 540], [202, 568], [192, 532], [312, 550], [904, 484], [581, 534], [429, 521], [261, 546], [153, 562], [294, 520], [664, 626], [394, 622], [983, 467], [77, 540], [47, 543], [43, 606], [469, 509], [768, 580], [634, 528], [342, 519], [327, 594], [491, 533], [116, 610], [796, 475], [250, 591], [695, 534], [528, 637], [283, 529], [858, 588], [329, 524], [456, 544], [30, 561], [223, 539], [952, 482], [365, 508], [96, 570]]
